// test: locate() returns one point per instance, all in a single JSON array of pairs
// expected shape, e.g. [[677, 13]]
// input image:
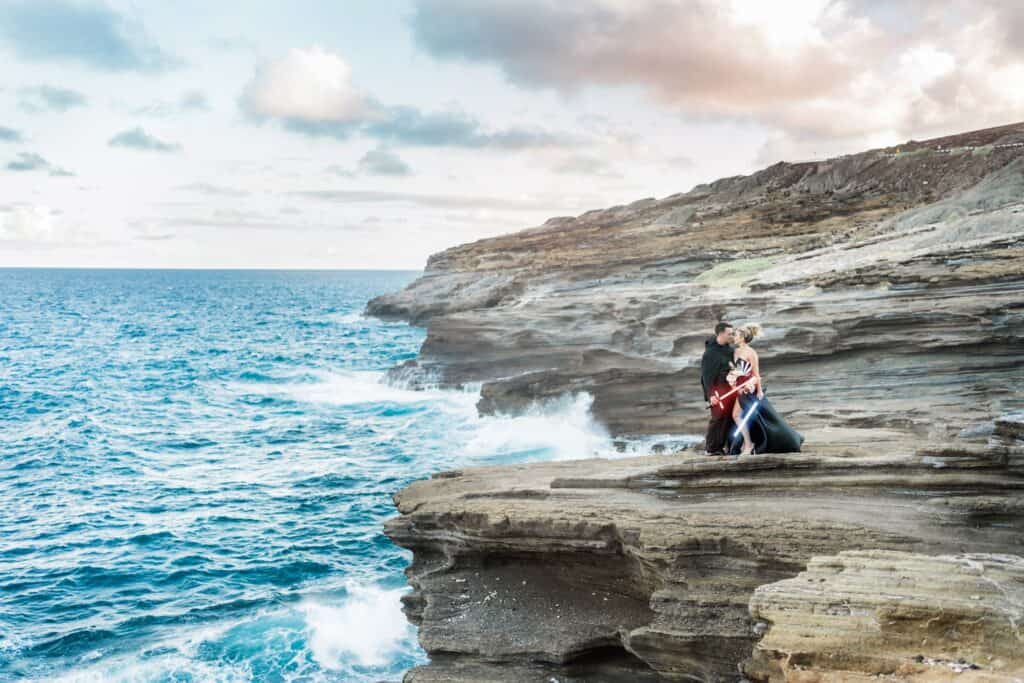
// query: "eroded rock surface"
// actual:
[[890, 285], [863, 614], [648, 565]]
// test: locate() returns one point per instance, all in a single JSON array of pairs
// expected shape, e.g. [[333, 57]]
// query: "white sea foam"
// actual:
[[342, 388], [559, 430], [359, 319], [179, 658], [365, 630], [351, 318], [368, 627], [168, 667]]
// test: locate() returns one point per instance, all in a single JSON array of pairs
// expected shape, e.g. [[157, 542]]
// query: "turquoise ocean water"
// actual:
[[195, 467]]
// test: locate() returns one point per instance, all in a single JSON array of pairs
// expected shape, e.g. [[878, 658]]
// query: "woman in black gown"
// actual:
[[758, 427]]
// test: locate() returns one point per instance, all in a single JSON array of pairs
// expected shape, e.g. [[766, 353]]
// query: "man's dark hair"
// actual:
[[722, 327]]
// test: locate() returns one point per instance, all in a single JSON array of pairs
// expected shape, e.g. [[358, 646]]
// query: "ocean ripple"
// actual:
[[195, 467]]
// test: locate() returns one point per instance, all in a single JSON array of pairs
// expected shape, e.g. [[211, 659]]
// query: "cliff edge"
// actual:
[[684, 567], [890, 285]]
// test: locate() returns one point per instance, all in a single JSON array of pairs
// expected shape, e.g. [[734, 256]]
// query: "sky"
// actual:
[[358, 134]]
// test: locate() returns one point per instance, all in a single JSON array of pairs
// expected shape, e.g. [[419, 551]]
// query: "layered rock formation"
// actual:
[[891, 288], [862, 614], [644, 568]]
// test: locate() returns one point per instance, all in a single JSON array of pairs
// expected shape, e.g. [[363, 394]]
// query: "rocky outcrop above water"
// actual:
[[674, 567], [890, 285]]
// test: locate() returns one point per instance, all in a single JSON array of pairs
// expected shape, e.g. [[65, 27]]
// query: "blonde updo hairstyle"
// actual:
[[749, 331]]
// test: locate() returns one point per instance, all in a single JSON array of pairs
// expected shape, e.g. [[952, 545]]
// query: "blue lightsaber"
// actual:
[[743, 422]]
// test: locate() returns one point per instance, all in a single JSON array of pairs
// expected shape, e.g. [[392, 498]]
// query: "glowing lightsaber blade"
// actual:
[[748, 383], [743, 422]]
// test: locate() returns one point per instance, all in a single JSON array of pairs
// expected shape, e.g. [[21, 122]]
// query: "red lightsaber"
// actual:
[[732, 391], [716, 399], [736, 370]]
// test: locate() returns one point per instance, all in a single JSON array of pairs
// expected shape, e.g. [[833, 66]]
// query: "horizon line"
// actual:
[[213, 268]]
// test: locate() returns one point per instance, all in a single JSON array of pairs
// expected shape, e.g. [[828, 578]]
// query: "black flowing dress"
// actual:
[[769, 431]]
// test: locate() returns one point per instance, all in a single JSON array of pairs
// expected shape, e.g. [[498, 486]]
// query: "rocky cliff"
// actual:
[[891, 288]]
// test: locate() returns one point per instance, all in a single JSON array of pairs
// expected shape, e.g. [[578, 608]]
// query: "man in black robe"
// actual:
[[714, 366]]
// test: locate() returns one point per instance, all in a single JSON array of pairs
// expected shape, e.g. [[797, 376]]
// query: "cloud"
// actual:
[[148, 231], [311, 92], [311, 86], [321, 129], [679, 162], [229, 218], [28, 161], [232, 44], [10, 135], [583, 164], [137, 138], [382, 161], [193, 100], [50, 98], [237, 219], [848, 70], [33, 226], [27, 223], [429, 201], [340, 170], [94, 35], [213, 190], [408, 125]]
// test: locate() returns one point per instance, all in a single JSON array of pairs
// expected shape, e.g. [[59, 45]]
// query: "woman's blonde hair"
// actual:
[[749, 331]]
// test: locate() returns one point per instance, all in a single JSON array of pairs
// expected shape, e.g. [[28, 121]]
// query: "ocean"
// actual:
[[195, 467]]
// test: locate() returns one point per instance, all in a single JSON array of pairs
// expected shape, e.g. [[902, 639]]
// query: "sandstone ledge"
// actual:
[[863, 614], [644, 568]]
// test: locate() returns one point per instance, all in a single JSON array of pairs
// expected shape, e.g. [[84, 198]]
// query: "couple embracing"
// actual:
[[742, 421]]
